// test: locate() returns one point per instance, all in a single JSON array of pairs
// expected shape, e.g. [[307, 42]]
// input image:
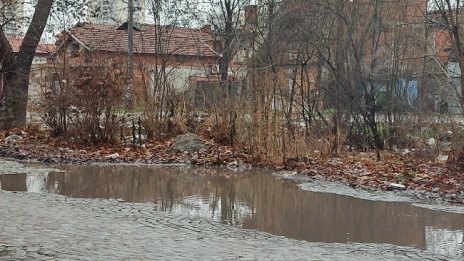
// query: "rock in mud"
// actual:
[[188, 142], [237, 165], [12, 138]]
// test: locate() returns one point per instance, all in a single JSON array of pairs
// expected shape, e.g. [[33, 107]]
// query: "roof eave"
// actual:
[[80, 42]]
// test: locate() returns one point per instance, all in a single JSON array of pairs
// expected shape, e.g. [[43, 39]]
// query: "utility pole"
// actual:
[[421, 91], [130, 50]]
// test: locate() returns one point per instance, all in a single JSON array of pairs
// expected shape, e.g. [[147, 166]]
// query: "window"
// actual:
[[73, 50], [106, 10]]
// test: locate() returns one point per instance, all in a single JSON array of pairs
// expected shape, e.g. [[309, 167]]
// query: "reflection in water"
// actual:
[[444, 241], [36, 183], [253, 200]]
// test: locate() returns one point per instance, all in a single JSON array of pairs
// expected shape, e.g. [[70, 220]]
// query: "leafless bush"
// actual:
[[86, 109], [167, 121], [97, 95], [56, 105]]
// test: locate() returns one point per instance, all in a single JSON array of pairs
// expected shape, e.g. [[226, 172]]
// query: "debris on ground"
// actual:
[[396, 171]]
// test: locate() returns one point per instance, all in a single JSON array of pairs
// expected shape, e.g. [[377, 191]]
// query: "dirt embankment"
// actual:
[[426, 179]]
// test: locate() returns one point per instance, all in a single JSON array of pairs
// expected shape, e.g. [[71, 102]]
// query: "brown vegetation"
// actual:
[[300, 85]]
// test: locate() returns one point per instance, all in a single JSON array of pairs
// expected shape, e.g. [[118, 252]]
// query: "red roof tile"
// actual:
[[16, 41], [45, 48], [174, 40]]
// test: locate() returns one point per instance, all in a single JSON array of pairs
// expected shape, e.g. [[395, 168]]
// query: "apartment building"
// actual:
[[115, 11], [14, 17]]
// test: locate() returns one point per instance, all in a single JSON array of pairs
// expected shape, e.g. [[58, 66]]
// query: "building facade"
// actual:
[[176, 54], [41, 65], [115, 11], [14, 17]]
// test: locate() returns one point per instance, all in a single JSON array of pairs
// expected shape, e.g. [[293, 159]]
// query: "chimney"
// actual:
[[251, 15]]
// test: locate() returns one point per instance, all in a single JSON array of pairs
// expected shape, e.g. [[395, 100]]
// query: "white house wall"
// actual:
[[454, 88], [179, 76], [37, 78]]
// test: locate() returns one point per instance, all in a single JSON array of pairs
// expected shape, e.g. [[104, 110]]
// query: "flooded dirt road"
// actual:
[[147, 213]]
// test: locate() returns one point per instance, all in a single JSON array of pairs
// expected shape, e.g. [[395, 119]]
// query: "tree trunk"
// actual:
[[16, 69]]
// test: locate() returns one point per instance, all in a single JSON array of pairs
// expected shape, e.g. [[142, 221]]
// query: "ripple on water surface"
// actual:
[[253, 200]]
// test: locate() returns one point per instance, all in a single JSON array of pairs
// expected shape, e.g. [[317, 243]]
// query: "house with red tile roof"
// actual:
[[183, 53], [40, 64], [43, 49], [148, 40]]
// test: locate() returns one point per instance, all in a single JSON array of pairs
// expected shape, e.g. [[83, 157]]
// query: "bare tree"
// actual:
[[448, 14], [366, 55], [225, 16], [16, 68], [161, 94]]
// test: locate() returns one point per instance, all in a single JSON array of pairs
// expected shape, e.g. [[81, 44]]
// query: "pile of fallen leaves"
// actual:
[[38, 145], [394, 171]]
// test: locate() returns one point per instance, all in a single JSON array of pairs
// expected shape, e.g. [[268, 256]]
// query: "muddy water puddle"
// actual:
[[254, 200]]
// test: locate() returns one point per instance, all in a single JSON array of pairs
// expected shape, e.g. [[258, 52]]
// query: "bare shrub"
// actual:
[[56, 104], [96, 94], [86, 109]]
